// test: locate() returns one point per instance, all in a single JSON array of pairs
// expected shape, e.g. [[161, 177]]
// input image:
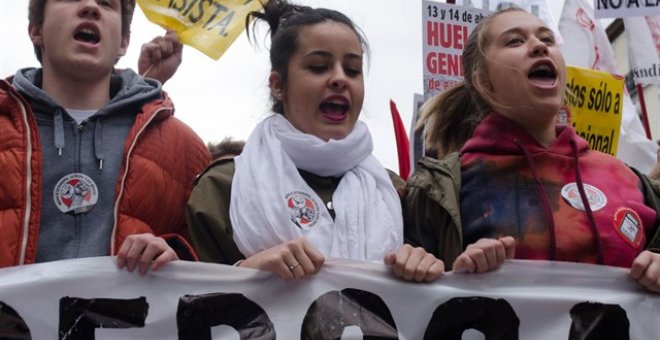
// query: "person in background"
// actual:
[[93, 161], [306, 185], [227, 148], [520, 176]]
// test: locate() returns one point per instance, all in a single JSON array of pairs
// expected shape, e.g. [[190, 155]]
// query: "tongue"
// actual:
[[334, 115], [333, 112]]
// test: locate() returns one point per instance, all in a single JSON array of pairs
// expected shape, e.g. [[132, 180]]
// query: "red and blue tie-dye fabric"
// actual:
[[500, 196]]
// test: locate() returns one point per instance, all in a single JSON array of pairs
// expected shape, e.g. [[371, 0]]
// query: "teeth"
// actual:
[[87, 31], [543, 67]]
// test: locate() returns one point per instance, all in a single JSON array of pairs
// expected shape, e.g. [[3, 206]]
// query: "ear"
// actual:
[[124, 45], [34, 31], [275, 84]]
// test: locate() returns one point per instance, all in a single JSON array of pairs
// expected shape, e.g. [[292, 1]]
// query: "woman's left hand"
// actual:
[[415, 264], [146, 251], [645, 270]]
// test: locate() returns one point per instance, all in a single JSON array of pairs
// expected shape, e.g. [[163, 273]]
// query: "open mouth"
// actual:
[[335, 108], [543, 74], [87, 35]]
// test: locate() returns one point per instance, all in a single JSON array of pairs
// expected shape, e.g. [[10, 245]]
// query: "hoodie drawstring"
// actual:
[[547, 210], [98, 142], [58, 135], [585, 202], [546, 203], [58, 131]]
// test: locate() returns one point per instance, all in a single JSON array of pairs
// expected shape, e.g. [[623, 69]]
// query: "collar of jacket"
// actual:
[[442, 182]]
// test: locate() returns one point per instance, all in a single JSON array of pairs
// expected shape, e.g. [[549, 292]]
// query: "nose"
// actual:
[[338, 79], [538, 47], [89, 9]]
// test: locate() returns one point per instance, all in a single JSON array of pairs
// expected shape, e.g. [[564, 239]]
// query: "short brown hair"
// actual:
[[36, 10]]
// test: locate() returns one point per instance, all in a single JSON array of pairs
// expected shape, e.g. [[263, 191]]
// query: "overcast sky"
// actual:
[[229, 96]]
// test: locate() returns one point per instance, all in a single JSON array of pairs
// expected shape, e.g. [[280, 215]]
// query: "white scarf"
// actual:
[[272, 204]]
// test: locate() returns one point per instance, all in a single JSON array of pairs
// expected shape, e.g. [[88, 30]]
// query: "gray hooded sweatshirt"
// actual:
[[81, 163]]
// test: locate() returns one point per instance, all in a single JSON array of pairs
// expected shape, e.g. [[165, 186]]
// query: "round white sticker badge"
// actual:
[[303, 209], [75, 193], [597, 199]]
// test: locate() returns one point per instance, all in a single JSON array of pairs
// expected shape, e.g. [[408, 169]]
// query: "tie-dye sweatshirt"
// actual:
[[562, 202]]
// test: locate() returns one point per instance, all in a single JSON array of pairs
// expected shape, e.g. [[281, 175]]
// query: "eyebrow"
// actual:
[[519, 30], [327, 54]]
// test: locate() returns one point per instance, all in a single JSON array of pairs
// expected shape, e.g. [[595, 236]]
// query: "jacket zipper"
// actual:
[[113, 239], [77, 218], [28, 196]]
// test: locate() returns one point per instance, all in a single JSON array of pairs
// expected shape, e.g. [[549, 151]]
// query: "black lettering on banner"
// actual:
[[200, 10], [195, 10], [454, 14], [627, 4], [196, 314], [223, 24], [598, 141], [592, 320], [218, 8], [575, 94], [176, 6], [332, 312], [433, 11], [79, 317], [613, 3], [12, 325], [495, 318], [467, 17]]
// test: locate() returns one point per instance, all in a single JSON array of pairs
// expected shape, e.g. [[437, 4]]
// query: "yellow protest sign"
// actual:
[[210, 26], [595, 101]]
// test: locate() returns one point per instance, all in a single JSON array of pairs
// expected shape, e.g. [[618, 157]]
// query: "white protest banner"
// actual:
[[92, 299], [445, 30], [625, 8], [643, 48], [586, 45]]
